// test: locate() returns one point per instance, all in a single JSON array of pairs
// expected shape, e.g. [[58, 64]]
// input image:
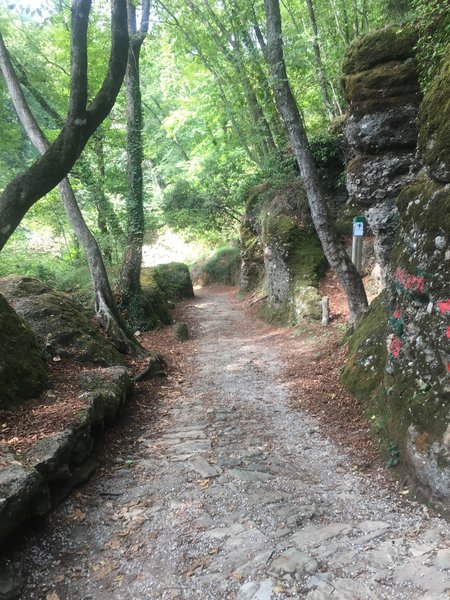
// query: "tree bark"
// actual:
[[331, 244], [82, 120], [319, 63], [129, 284], [105, 305]]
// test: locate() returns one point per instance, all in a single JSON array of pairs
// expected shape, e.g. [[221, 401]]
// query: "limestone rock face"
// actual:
[[280, 252], [22, 367], [383, 96], [409, 394], [62, 326]]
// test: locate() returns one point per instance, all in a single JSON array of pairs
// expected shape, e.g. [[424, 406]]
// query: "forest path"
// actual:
[[237, 497]]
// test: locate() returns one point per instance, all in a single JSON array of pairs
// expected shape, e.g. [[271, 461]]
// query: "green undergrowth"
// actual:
[[223, 266], [59, 274]]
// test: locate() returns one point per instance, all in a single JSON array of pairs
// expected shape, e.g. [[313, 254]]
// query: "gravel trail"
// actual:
[[238, 497]]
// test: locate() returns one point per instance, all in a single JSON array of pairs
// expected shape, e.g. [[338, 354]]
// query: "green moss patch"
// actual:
[[434, 124], [393, 80], [22, 368], [175, 280], [62, 326], [223, 267], [384, 45]]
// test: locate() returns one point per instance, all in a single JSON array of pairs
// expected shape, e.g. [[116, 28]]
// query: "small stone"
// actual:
[[180, 331], [440, 242]]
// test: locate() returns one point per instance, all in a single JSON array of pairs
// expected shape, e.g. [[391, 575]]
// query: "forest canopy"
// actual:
[[210, 126]]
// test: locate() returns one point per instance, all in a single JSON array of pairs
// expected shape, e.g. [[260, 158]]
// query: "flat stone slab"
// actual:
[[205, 469], [261, 590], [248, 475], [315, 535], [191, 446], [293, 562], [442, 560]]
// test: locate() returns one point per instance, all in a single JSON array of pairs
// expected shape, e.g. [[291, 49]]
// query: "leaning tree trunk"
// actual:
[[287, 106], [105, 306], [81, 122]]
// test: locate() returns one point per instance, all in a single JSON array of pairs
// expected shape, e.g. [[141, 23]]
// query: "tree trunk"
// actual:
[[105, 306], [129, 284], [331, 244], [319, 64], [48, 170]]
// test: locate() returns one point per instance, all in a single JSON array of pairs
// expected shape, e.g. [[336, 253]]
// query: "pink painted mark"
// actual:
[[394, 347], [448, 332], [444, 306], [413, 283], [397, 313]]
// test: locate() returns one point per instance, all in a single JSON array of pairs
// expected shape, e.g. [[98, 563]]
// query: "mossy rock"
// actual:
[[434, 125], [23, 373], [175, 280], [300, 249], [252, 258], [180, 331], [62, 326], [363, 371], [392, 80], [157, 312], [381, 46], [223, 267]]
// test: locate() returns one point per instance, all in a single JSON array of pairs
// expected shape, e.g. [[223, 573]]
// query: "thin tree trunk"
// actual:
[[319, 63], [331, 244], [129, 284], [105, 306]]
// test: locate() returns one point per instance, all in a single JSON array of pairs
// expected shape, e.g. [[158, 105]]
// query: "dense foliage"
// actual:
[[211, 129]]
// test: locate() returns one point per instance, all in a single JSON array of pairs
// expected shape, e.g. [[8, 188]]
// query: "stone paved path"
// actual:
[[239, 498]]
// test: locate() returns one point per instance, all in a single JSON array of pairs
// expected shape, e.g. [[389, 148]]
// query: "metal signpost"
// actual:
[[359, 230]]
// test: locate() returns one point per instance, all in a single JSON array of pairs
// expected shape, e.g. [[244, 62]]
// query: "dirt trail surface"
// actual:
[[235, 495]]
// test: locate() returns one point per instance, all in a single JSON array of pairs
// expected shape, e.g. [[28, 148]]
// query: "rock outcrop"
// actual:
[[162, 285], [409, 392], [383, 96], [22, 368], [62, 326], [281, 253]]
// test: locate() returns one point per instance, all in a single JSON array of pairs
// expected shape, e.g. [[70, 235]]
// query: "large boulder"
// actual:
[[281, 253], [22, 368], [62, 326], [175, 280]]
